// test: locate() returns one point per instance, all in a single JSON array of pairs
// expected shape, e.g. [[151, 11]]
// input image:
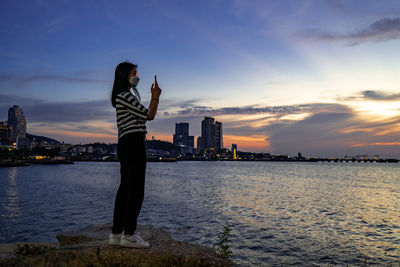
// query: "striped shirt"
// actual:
[[131, 114]]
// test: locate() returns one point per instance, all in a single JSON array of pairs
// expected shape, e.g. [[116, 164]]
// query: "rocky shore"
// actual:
[[89, 247]]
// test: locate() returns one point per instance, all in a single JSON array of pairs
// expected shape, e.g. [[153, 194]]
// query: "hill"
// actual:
[[41, 138], [161, 145]]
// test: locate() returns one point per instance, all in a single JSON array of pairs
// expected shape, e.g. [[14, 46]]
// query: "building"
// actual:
[[219, 144], [16, 120], [199, 147], [207, 133], [234, 150], [6, 132], [234, 147], [182, 139], [23, 142], [182, 128], [211, 135]]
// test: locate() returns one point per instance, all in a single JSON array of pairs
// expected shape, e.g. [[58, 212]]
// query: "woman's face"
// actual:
[[133, 73]]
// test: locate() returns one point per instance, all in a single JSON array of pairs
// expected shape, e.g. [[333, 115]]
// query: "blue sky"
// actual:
[[320, 77]]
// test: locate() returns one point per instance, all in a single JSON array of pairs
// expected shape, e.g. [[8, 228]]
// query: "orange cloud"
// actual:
[[378, 144], [78, 136], [247, 143], [160, 136]]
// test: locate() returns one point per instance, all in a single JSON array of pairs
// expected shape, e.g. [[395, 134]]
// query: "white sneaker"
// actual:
[[114, 239], [141, 241], [133, 241]]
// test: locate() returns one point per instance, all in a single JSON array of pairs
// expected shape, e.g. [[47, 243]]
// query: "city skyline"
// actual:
[[320, 77], [181, 139]]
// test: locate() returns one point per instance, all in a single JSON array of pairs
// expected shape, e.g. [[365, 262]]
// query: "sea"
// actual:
[[278, 213]]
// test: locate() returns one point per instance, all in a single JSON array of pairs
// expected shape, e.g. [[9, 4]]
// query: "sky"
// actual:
[[319, 77]]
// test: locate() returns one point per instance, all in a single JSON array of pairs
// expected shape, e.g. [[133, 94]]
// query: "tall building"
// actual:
[[182, 139], [211, 135], [199, 148], [207, 133], [219, 144], [182, 128], [16, 120]]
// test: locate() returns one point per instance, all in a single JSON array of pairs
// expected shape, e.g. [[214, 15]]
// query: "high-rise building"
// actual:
[[199, 147], [207, 133], [182, 139], [211, 135], [182, 128], [219, 144], [16, 120]]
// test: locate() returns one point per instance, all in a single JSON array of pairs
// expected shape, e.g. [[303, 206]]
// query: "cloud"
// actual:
[[56, 23], [379, 95], [376, 95], [74, 136], [244, 122], [7, 101], [335, 5], [191, 110], [240, 121], [70, 112], [378, 144], [36, 110], [381, 30], [169, 103], [22, 80], [333, 134], [326, 129]]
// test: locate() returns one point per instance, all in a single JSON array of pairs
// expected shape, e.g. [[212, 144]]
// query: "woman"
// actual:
[[131, 119]]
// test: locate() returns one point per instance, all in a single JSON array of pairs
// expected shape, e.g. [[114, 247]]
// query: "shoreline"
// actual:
[[89, 246], [24, 163]]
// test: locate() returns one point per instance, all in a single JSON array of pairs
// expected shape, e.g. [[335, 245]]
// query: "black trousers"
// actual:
[[128, 202]]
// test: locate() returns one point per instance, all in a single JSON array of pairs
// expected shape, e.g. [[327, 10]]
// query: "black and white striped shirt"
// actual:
[[131, 114]]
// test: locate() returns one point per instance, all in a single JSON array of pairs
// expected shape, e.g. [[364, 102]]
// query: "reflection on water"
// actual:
[[280, 213], [10, 203], [10, 209], [289, 213]]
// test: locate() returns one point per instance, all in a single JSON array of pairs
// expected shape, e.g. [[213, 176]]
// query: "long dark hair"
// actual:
[[121, 82]]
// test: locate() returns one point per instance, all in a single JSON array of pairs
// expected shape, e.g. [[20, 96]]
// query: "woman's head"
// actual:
[[123, 73]]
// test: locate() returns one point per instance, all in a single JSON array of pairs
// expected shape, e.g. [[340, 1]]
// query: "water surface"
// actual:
[[279, 212]]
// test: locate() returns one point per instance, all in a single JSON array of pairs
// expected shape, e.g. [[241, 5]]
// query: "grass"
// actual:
[[223, 246]]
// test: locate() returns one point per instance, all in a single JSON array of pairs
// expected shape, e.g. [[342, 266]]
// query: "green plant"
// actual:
[[224, 243]]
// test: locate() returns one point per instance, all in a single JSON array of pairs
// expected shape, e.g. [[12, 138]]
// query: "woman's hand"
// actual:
[[155, 90], [155, 94]]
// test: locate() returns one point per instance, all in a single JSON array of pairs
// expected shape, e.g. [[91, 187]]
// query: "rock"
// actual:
[[89, 246], [8, 250]]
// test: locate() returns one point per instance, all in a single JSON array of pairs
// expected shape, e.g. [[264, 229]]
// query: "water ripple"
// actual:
[[314, 214]]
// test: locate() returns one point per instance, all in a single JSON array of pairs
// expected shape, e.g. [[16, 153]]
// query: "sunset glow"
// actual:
[[278, 81], [247, 143], [379, 144]]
